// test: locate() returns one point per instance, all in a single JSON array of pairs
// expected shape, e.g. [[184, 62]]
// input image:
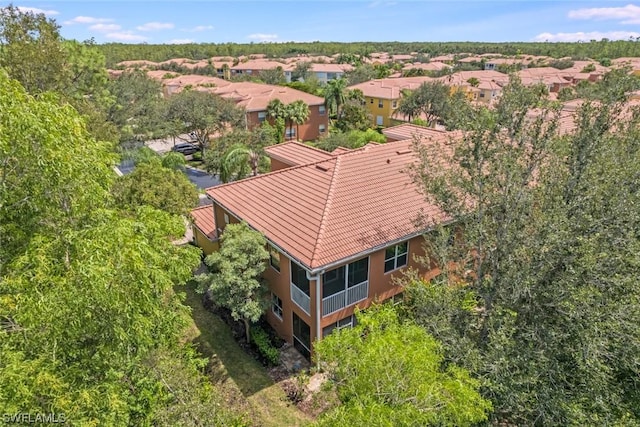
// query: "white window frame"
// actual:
[[379, 120], [322, 110], [322, 128], [262, 116], [380, 103], [274, 305], [395, 257], [226, 218]]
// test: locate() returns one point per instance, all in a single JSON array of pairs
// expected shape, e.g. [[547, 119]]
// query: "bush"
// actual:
[[262, 342]]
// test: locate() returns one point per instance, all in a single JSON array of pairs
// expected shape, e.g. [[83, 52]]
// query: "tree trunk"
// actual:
[[247, 327]]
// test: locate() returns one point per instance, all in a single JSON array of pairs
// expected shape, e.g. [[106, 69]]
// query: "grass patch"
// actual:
[[245, 382]]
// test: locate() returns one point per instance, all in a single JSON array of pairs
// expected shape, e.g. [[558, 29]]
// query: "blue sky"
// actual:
[[345, 21]]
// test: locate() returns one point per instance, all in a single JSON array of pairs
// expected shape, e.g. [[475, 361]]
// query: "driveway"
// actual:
[[164, 145]]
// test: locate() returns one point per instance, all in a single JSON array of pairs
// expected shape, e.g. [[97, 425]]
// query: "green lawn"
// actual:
[[243, 380]]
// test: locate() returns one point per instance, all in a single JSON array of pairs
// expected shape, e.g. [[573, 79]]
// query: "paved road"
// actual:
[[201, 179]]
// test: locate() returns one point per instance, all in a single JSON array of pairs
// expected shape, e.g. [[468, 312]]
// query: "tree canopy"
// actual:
[[235, 280], [389, 372], [546, 253]]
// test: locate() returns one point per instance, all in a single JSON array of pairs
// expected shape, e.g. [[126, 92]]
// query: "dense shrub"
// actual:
[[262, 342]]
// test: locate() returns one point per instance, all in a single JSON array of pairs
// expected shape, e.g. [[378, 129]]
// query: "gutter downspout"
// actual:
[[318, 316]]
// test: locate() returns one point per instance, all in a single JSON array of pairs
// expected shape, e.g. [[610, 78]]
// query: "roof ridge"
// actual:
[[279, 171], [325, 211]]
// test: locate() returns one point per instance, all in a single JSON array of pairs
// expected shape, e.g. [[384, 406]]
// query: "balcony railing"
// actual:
[[301, 299], [345, 298]]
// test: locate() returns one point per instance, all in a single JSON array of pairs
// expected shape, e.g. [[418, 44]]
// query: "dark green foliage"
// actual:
[[546, 313], [263, 343], [351, 52], [351, 139], [560, 64], [152, 184]]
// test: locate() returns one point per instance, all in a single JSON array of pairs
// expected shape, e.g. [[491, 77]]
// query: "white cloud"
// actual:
[[181, 41], [155, 26], [126, 36], [262, 37], [87, 20], [201, 28], [629, 14], [105, 27], [35, 10], [585, 37]]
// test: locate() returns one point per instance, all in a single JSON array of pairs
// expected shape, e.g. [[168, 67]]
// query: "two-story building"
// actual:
[[340, 226], [382, 96]]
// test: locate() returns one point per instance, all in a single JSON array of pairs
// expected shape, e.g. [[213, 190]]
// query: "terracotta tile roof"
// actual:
[[408, 131], [325, 212], [340, 150], [204, 220], [390, 88], [427, 66], [257, 65], [331, 68], [294, 153], [256, 96]]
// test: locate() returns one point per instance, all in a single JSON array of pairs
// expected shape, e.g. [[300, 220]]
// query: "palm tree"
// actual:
[[298, 113], [234, 162], [277, 110], [334, 95]]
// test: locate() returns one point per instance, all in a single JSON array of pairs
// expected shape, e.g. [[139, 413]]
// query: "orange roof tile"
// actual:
[[294, 153], [204, 220], [325, 212], [390, 88], [408, 131], [256, 96]]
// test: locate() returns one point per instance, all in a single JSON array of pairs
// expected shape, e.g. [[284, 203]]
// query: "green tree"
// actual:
[[431, 99], [335, 96], [301, 72], [298, 113], [354, 115], [546, 253], [138, 109], [204, 114], [48, 176], [152, 184], [273, 76], [31, 50], [389, 372], [235, 280]]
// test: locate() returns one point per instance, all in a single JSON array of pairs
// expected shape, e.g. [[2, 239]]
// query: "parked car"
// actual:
[[185, 148]]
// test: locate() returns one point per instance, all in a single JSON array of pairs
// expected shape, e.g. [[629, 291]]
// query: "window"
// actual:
[[299, 278], [394, 104], [290, 133], [371, 101], [395, 257], [379, 120], [341, 278], [358, 272], [226, 218], [347, 322], [380, 103], [302, 336], [322, 110], [274, 258], [262, 116], [481, 94], [322, 128], [276, 305]]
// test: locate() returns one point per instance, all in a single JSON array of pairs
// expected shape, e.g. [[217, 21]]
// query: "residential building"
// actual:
[[382, 96], [254, 98], [339, 230]]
